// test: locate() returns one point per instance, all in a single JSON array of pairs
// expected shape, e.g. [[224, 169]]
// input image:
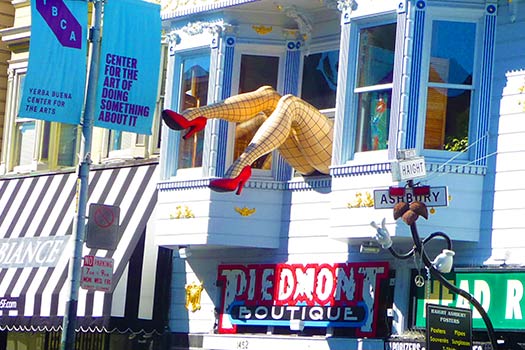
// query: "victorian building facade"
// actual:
[[285, 263], [39, 199]]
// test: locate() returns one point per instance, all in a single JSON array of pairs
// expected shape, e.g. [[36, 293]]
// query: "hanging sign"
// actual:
[[53, 89], [129, 66]]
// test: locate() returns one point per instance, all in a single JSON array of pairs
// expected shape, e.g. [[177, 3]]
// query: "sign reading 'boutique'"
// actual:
[[316, 295], [31, 251]]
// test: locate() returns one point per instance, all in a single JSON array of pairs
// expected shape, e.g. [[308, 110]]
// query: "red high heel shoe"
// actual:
[[228, 185], [176, 121]]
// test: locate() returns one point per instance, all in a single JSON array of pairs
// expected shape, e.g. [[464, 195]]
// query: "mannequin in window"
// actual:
[[301, 134]]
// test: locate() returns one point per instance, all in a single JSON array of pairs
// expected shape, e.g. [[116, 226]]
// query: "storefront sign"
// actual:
[[448, 328], [501, 293], [31, 251], [317, 295], [8, 303], [415, 345]]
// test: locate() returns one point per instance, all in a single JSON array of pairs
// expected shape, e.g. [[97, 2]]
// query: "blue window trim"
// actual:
[[482, 88]]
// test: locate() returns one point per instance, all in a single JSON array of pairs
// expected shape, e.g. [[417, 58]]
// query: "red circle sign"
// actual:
[[104, 217]]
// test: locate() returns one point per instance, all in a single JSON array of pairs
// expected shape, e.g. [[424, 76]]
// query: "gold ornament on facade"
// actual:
[[362, 201], [193, 296], [262, 30], [182, 212], [245, 211]]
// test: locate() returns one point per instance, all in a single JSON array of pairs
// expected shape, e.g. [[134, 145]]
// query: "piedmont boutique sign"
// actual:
[[315, 295], [501, 293]]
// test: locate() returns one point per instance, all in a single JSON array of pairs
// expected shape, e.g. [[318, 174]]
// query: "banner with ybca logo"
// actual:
[[55, 83], [129, 66]]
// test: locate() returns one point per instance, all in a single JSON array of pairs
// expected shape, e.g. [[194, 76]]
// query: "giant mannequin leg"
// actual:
[[292, 118]]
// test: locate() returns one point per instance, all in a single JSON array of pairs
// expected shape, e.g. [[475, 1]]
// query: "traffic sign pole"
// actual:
[[70, 315]]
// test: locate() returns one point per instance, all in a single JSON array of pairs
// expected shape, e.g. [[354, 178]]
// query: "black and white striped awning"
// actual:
[[36, 220]]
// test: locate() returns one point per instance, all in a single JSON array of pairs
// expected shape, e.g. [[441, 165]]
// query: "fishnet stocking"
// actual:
[[298, 130]]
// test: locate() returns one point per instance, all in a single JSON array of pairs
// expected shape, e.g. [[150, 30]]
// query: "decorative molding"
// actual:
[[245, 211], [306, 183], [182, 212], [193, 296], [362, 201], [346, 5], [262, 29], [177, 8], [467, 169], [214, 28], [358, 170], [304, 22]]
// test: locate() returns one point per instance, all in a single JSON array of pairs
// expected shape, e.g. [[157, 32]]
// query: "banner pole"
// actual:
[[70, 314]]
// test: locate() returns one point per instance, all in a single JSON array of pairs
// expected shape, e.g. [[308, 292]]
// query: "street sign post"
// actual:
[[408, 169], [437, 197]]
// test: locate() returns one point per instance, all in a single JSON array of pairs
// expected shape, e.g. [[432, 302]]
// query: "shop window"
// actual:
[[194, 93], [374, 86], [255, 71], [38, 145], [319, 84], [449, 85]]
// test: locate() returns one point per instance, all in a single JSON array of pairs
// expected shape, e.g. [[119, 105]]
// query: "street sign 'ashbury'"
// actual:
[[437, 197]]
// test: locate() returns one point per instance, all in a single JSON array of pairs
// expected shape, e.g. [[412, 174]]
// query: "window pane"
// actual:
[[256, 71], [25, 142], [196, 72], [68, 145], [373, 120], [447, 119], [320, 79], [376, 55], [452, 52]]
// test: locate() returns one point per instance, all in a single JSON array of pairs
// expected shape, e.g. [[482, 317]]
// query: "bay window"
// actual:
[[449, 85], [195, 71], [255, 71], [319, 80], [375, 66]]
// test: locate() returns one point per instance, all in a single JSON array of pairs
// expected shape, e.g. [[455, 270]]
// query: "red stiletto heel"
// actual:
[[229, 185], [176, 121]]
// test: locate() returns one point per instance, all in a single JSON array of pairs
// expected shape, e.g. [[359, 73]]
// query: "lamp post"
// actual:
[[441, 264]]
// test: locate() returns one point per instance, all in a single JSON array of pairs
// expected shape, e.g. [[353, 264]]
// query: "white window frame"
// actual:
[[378, 156], [476, 17], [12, 121], [256, 50]]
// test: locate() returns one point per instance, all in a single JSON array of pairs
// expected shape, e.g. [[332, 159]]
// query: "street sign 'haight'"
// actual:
[[55, 83]]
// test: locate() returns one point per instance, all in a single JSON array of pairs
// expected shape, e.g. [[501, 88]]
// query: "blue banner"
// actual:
[[56, 75], [129, 66]]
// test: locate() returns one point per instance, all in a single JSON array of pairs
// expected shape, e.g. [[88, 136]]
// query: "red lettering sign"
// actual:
[[319, 295]]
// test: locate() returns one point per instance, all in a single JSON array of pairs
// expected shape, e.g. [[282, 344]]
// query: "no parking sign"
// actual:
[[102, 227]]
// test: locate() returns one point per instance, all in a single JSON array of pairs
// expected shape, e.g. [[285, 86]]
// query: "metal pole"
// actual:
[[70, 315], [437, 275]]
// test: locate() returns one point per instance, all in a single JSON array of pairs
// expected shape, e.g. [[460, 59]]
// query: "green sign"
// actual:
[[501, 293]]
